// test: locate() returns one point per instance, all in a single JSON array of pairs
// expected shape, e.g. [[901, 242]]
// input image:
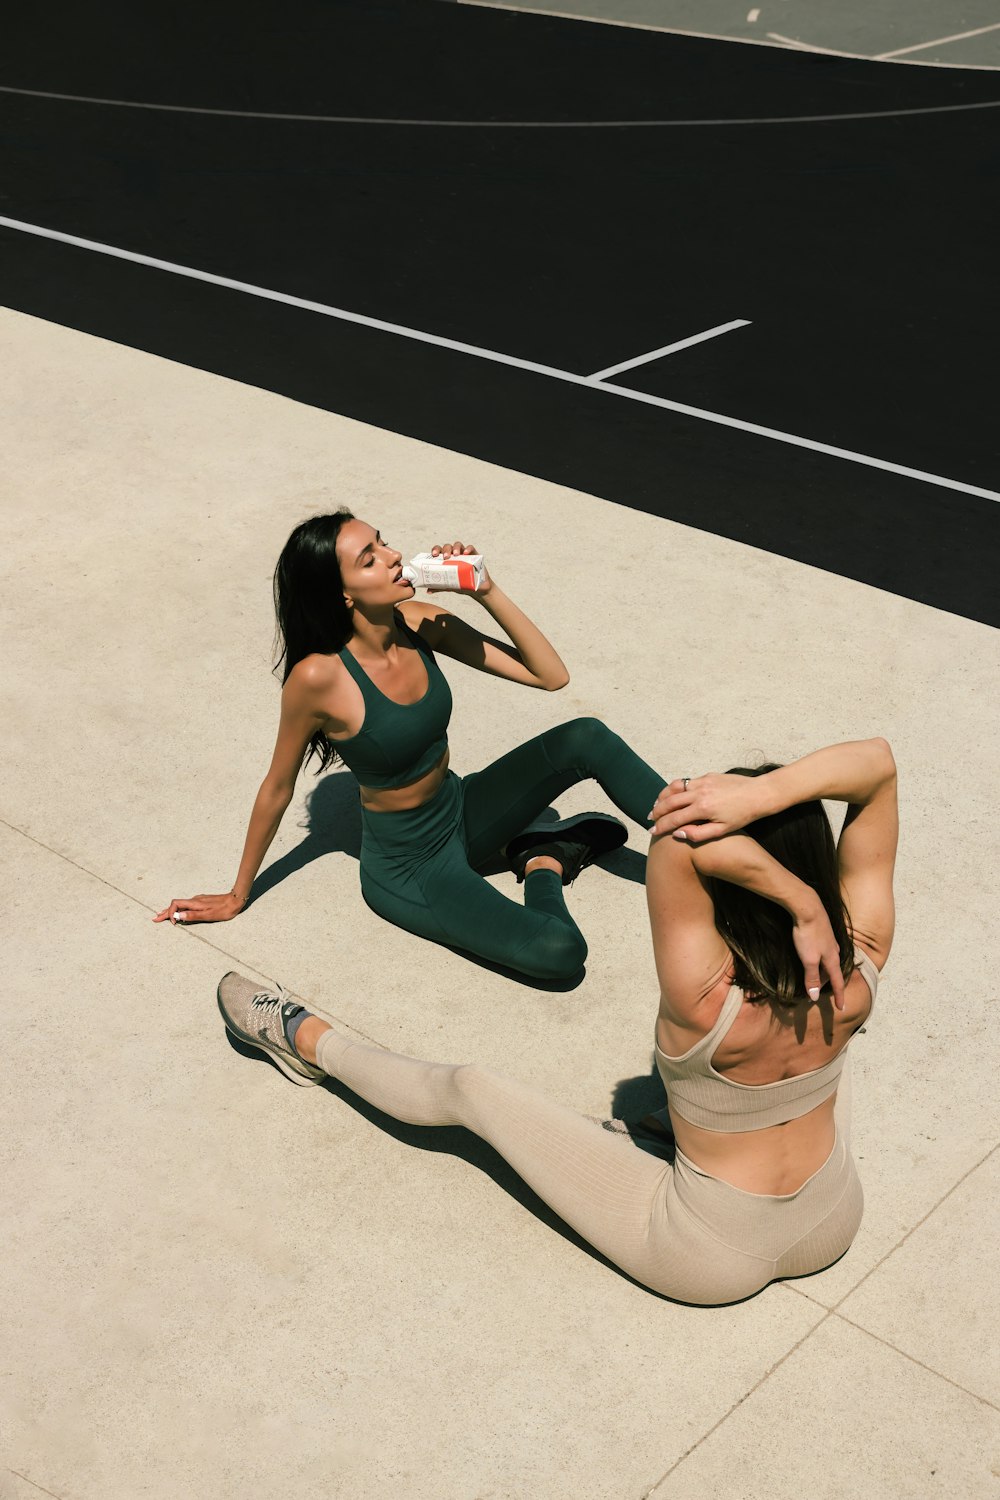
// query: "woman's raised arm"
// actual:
[[699, 808], [530, 660], [691, 954], [861, 773]]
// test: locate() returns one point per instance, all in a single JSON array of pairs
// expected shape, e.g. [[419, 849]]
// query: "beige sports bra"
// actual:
[[704, 1097]]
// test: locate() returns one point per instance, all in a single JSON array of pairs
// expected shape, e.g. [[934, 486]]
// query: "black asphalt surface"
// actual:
[[862, 250]]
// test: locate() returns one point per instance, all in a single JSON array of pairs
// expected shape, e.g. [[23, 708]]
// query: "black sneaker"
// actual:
[[574, 842]]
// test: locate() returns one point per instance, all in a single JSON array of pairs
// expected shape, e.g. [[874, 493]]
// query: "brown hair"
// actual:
[[759, 932]]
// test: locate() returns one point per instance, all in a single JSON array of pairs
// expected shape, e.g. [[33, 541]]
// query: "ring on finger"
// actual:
[[684, 782]]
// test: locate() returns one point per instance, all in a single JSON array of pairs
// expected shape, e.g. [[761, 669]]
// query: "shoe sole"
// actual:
[[599, 831], [288, 1068]]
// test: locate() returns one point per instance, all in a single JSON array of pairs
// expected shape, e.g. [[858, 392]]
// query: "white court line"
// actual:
[[791, 41], [696, 338], [585, 381], [941, 41], [254, 114]]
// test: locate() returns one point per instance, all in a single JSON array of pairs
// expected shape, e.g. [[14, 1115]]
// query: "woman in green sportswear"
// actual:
[[360, 682]]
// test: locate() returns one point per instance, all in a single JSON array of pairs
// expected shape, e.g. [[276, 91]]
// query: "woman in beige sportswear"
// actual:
[[768, 939]]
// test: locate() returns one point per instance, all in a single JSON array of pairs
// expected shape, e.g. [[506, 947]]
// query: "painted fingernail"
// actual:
[[813, 994], [681, 837]]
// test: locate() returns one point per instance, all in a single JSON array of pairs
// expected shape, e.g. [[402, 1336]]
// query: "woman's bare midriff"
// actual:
[[773, 1161], [405, 798], [779, 1158]]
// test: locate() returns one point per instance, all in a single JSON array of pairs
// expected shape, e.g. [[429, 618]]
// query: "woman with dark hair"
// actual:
[[768, 946], [360, 682]]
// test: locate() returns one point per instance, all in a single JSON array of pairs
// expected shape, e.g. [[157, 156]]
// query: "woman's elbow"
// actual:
[[277, 791], [886, 759], [560, 680]]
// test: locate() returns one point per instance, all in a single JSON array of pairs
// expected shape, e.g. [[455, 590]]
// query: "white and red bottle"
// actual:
[[463, 570]]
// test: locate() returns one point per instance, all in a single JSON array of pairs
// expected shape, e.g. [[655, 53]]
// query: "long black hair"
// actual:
[[309, 605], [759, 932]]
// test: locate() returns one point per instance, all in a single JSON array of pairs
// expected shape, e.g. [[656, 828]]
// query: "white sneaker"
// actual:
[[258, 1016]]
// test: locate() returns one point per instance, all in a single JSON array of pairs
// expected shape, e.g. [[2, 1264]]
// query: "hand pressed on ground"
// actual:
[[187, 909]]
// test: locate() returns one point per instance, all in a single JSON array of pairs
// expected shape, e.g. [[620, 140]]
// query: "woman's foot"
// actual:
[[573, 843], [265, 1018], [543, 862]]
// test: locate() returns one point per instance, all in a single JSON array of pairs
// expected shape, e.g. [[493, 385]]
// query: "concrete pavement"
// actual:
[[216, 1285]]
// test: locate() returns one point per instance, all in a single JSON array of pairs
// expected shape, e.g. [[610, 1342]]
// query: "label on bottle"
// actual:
[[461, 571]]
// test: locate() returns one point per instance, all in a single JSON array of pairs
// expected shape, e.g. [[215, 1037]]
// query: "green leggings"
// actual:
[[418, 868]]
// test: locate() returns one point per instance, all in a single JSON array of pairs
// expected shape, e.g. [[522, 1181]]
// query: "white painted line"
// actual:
[[696, 338], [585, 381], [753, 15], [942, 41], [252, 114], [287, 299], [790, 41]]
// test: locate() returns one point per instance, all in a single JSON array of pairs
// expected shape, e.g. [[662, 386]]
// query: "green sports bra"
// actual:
[[397, 742]]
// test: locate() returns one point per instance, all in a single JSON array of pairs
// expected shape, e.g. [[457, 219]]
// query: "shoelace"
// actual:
[[271, 1004]]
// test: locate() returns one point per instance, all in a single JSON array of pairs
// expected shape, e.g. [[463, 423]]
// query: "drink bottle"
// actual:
[[460, 571]]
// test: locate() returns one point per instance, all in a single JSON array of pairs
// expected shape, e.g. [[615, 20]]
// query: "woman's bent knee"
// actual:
[[576, 742], [558, 952], [472, 1085]]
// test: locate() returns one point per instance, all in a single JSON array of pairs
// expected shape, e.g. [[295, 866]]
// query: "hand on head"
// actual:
[[819, 952], [698, 808]]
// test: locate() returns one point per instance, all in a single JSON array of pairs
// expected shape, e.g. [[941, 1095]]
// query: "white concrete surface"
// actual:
[[216, 1285]]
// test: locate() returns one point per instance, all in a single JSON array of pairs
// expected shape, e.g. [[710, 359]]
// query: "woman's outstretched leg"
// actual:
[[604, 1188], [620, 1200], [600, 1185]]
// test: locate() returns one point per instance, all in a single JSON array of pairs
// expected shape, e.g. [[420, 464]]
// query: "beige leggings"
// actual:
[[672, 1227]]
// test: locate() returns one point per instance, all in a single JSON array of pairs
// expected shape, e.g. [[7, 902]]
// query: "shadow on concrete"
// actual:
[[526, 981], [642, 1095], [455, 1140], [627, 864], [639, 1110], [333, 826]]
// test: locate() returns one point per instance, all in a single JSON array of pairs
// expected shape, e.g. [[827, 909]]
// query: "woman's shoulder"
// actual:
[[316, 673], [425, 619], [320, 689], [417, 612], [685, 1021]]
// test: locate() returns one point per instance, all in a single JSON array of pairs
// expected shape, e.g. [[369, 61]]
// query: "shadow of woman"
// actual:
[[455, 1140], [639, 1112], [333, 826]]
